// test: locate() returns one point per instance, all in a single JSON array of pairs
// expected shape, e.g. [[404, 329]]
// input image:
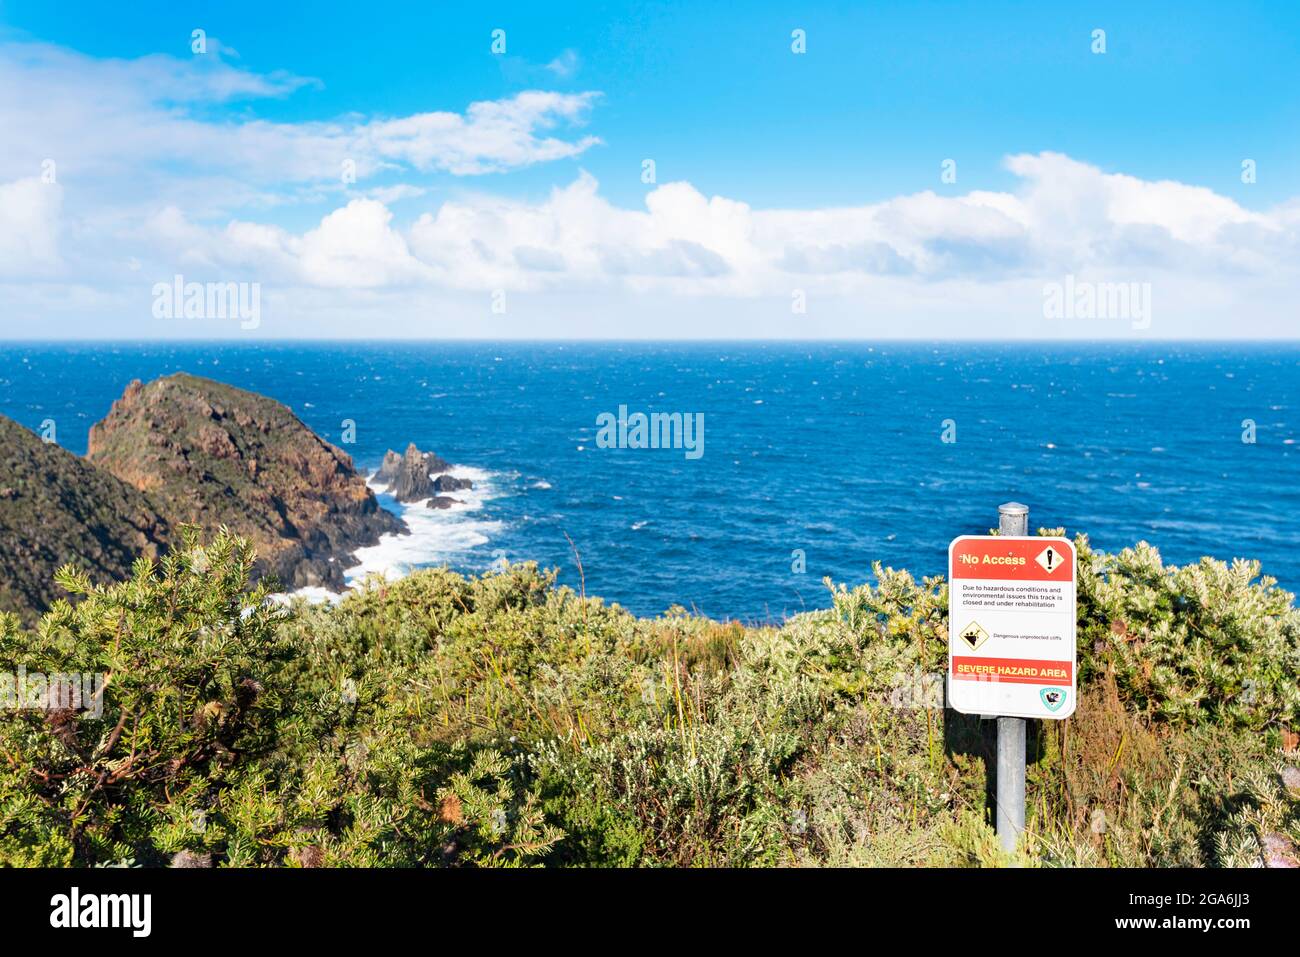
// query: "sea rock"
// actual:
[[388, 470], [436, 463], [442, 501], [55, 508], [211, 454], [411, 480], [449, 483]]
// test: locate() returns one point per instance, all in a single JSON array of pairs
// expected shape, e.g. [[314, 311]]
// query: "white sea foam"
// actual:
[[316, 594], [435, 535]]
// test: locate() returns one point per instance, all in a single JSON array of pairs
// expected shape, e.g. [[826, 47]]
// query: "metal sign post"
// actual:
[[1012, 623], [1013, 519]]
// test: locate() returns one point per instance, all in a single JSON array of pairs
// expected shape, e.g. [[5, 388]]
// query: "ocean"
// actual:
[[817, 458]]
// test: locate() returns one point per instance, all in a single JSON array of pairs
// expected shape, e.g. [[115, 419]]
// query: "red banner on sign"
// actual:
[[1012, 560], [1013, 670]]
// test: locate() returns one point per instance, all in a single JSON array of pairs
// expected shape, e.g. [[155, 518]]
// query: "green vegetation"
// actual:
[[502, 720], [80, 510]]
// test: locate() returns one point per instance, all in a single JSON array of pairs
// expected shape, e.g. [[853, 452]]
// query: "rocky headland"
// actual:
[[209, 454], [184, 449]]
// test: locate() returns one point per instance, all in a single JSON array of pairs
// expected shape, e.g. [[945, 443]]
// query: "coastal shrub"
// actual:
[[1209, 642], [217, 740], [191, 697], [503, 719]]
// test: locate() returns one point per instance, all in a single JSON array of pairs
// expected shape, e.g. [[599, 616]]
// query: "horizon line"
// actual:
[[1111, 340]]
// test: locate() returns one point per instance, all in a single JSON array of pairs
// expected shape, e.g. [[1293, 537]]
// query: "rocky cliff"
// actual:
[[56, 509], [211, 454]]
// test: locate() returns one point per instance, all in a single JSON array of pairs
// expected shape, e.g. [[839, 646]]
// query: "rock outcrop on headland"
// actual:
[[56, 509], [210, 454]]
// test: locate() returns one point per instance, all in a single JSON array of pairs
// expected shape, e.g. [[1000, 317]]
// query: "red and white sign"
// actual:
[[1011, 626]]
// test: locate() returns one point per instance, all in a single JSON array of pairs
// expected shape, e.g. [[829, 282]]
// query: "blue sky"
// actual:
[[752, 144]]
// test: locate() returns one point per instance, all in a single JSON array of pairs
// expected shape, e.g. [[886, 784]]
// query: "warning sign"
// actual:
[[1049, 558], [1011, 623], [974, 635]]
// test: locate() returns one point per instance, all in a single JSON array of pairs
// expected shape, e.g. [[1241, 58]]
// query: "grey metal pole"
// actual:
[[1013, 519]]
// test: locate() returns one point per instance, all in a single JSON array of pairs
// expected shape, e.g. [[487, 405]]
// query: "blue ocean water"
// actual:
[[829, 449]]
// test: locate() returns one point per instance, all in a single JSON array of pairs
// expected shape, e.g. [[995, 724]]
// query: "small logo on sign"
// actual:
[[1053, 698], [974, 635]]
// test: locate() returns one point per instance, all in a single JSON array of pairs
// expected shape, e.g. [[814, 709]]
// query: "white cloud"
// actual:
[[492, 136], [565, 65], [357, 246], [152, 178], [686, 264], [137, 129], [1066, 217], [29, 227], [395, 193]]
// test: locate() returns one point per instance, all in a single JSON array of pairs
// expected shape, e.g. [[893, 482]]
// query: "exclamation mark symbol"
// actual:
[[1051, 559]]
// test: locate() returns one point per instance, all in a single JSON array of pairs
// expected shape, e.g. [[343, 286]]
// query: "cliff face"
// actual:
[[55, 509], [210, 454]]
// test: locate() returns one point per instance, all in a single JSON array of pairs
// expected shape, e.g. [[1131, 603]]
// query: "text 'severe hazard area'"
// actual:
[[1011, 626]]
